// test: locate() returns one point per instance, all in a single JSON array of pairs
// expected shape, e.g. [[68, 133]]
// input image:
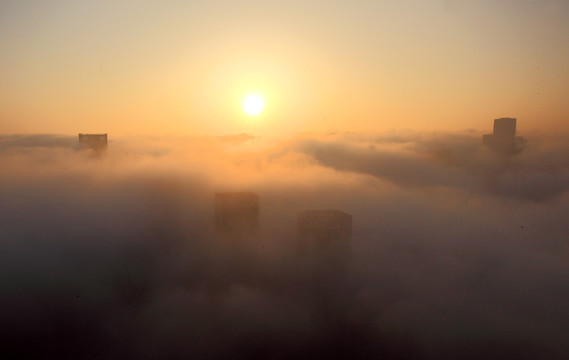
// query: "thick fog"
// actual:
[[457, 252]]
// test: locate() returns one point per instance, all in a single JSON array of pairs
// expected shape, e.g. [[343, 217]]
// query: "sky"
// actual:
[[183, 68]]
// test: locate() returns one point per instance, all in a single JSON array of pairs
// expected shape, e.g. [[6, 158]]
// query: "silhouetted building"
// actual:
[[95, 142], [324, 232], [324, 238], [236, 212], [504, 139]]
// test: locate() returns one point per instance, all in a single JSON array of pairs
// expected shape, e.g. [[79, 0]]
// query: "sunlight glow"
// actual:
[[253, 104]]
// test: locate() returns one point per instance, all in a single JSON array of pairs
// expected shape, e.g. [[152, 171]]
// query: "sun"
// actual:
[[253, 104]]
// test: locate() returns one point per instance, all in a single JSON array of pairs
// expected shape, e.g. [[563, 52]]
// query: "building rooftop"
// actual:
[[96, 142], [324, 231], [503, 139]]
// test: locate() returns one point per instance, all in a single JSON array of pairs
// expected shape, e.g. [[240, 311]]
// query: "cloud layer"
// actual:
[[456, 252]]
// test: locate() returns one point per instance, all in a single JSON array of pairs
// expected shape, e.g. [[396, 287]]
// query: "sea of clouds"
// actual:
[[457, 252]]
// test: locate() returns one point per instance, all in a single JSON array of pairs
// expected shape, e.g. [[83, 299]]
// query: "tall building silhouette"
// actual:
[[236, 212], [94, 142], [324, 232], [324, 238], [504, 139]]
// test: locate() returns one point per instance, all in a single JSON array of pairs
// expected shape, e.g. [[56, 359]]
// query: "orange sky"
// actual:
[[140, 67]]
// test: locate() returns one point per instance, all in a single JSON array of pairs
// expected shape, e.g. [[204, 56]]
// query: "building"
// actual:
[[324, 238], [94, 142], [324, 232], [503, 139], [236, 212]]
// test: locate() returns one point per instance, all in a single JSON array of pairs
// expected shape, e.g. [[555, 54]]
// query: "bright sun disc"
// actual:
[[253, 104]]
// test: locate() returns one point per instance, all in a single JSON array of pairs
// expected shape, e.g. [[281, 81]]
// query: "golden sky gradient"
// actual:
[[181, 67]]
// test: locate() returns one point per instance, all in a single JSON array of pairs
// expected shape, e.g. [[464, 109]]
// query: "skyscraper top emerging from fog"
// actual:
[[505, 127], [324, 231], [504, 139], [96, 142]]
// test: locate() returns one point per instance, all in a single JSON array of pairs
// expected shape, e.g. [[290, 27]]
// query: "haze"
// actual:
[[377, 109]]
